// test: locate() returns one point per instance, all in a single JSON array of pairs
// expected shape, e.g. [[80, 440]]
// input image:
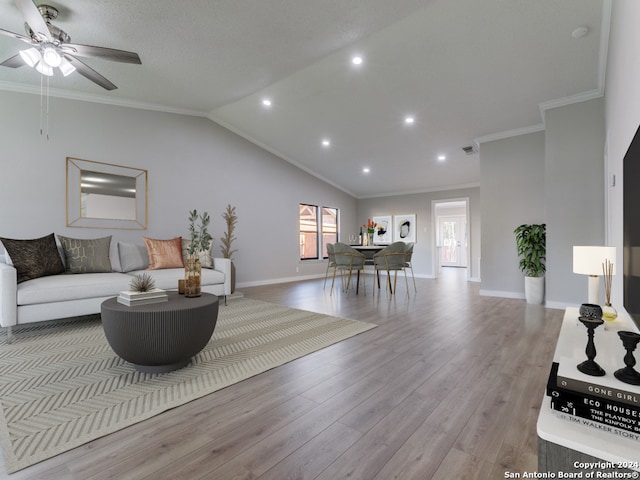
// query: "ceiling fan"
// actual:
[[51, 47]]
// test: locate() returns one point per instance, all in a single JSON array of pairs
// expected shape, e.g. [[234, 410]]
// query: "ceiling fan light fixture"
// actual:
[[51, 57], [66, 68], [31, 56], [44, 69]]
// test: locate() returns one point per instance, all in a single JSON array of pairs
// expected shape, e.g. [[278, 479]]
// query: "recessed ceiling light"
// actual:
[[326, 142], [357, 60], [442, 158], [266, 102], [366, 170], [409, 120]]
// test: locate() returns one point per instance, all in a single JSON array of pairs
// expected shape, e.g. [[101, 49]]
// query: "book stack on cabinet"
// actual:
[[603, 403], [131, 299]]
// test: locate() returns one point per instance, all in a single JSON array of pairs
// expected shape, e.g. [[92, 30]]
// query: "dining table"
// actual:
[[369, 251]]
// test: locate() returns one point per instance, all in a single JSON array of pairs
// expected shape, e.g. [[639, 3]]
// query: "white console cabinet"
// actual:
[[567, 446]]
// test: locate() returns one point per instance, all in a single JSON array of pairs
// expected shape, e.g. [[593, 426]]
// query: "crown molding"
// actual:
[[562, 102], [605, 32], [94, 98], [509, 133], [277, 153], [445, 188]]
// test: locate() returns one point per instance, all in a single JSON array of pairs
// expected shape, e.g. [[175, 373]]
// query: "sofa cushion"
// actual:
[[164, 253], [132, 257], [167, 279], [62, 288], [34, 258], [86, 255]]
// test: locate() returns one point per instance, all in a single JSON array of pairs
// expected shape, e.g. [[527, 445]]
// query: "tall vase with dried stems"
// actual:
[[230, 219], [608, 312]]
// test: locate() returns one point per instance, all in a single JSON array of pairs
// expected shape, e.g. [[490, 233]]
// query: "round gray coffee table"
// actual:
[[160, 337]]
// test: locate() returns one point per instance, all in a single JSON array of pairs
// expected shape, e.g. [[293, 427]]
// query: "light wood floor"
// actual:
[[447, 387]]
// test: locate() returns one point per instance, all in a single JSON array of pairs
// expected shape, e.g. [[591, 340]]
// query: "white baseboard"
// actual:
[[497, 293], [273, 281], [560, 305]]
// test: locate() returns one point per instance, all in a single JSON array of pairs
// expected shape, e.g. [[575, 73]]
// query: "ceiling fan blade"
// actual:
[[15, 35], [101, 52], [13, 62], [88, 72], [33, 18]]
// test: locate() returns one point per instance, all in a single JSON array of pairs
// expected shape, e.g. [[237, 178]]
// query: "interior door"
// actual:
[[453, 240]]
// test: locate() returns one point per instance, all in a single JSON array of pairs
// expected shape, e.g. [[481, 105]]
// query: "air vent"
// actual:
[[470, 150]]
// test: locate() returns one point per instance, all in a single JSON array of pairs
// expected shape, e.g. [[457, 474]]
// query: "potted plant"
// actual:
[[200, 242], [227, 239], [531, 243]]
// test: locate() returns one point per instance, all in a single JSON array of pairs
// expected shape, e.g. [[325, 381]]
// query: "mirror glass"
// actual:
[[102, 195]]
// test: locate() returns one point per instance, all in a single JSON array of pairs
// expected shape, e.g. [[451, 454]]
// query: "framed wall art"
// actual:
[[384, 230], [404, 228]]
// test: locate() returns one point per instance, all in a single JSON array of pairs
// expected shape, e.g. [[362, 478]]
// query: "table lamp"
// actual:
[[594, 261]]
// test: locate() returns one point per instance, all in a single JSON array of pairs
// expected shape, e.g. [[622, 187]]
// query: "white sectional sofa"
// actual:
[[74, 294]]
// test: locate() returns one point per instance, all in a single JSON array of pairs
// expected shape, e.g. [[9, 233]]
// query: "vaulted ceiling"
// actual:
[[463, 70]]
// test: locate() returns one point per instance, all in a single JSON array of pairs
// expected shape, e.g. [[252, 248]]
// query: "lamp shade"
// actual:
[[31, 56], [588, 260]]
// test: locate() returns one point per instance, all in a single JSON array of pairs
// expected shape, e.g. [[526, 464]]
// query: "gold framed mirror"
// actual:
[[103, 195]]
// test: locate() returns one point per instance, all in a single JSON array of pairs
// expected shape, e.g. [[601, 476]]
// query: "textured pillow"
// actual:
[[132, 257], [164, 253], [34, 258], [86, 255], [206, 259]]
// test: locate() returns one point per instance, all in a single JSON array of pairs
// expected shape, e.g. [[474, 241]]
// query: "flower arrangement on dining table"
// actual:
[[371, 229], [370, 226]]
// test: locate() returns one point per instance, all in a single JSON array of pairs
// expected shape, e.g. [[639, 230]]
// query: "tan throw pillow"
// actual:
[[164, 253]]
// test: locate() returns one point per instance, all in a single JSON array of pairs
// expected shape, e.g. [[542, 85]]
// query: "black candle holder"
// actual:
[[628, 374], [589, 366]]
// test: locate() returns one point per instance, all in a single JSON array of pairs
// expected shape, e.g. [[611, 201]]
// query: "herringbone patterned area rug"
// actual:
[[61, 385]]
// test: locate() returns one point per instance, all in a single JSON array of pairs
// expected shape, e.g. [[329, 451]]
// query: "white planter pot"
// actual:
[[534, 290]]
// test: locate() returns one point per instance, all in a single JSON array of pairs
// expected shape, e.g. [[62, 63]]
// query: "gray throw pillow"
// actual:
[[34, 258], [86, 255], [132, 257]]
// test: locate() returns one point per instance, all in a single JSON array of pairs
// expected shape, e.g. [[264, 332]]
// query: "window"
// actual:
[[315, 228], [308, 232], [329, 228]]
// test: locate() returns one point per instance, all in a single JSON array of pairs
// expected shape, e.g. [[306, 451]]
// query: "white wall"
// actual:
[[622, 114], [192, 163]]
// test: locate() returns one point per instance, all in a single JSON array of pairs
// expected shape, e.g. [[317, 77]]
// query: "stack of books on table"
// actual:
[[604, 403], [131, 298]]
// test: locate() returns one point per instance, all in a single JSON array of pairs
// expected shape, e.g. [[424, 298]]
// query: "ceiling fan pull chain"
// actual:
[[47, 113], [44, 109], [41, 100]]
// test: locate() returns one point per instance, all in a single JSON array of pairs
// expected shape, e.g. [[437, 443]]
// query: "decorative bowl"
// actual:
[[590, 310]]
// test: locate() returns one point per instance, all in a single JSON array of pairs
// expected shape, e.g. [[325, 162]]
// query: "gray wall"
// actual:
[[554, 177], [512, 182], [192, 163], [574, 194], [420, 204]]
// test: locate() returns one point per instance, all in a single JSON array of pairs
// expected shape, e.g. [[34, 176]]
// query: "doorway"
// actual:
[[451, 238]]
